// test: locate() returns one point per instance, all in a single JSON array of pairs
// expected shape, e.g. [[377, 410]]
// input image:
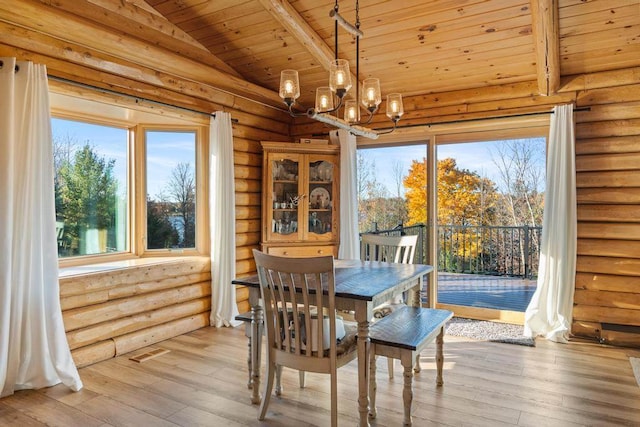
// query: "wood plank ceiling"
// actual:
[[239, 47], [416, 46]]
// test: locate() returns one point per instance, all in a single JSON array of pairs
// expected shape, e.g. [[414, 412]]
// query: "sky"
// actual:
[[164, 152], [475, 156]]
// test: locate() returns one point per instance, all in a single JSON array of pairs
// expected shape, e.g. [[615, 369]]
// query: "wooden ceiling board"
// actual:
[[179, 11], [614, 39], [230, 19], [413, 46], [568, 8]]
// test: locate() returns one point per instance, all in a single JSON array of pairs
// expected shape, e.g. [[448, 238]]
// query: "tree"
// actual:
[[377, 209], [181, 189], [464, 198], [521, 167], [87, 194], [415, 184], [160, 233], [63, 148]]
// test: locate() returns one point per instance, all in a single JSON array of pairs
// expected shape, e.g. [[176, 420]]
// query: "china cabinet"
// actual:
[[300, 199]]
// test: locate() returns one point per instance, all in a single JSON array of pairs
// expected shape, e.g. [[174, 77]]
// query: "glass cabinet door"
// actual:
[[321, 197], [285, 197]]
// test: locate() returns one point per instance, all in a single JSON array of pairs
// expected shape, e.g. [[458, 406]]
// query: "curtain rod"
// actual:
[[469, 120], [136, 98]]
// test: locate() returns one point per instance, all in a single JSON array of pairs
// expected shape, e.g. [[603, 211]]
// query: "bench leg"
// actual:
[[372, 382], [407, 391], [439, 357], [417, 368]]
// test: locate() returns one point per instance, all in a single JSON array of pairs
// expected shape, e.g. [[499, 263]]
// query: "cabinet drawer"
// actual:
[[303, 251]]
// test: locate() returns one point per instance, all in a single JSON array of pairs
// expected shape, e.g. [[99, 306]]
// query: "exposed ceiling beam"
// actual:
[[295, 24], [545, 27]]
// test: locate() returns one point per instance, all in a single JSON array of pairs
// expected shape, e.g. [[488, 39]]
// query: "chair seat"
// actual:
[[348, 344]]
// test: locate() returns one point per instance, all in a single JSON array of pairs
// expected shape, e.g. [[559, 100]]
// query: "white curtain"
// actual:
[[34, 352], [349, 237], [550, 311], [222, 200]]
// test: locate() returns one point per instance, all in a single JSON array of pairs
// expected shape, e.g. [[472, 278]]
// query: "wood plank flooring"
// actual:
[[202, 380]]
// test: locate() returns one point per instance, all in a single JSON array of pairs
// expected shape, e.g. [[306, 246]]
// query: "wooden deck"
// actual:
[[202, 382], [483, 291]]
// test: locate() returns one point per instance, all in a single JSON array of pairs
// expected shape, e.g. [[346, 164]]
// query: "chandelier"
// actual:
[[330, 99]]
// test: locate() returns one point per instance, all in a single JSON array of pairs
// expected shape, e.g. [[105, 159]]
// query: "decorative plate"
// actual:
[[319, 198]]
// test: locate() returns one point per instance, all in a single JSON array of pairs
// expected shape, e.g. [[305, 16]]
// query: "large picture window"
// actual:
[[91, 188], [170, 189]]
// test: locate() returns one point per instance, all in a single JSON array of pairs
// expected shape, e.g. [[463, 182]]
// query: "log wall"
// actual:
[[121, 309], [607, 298]]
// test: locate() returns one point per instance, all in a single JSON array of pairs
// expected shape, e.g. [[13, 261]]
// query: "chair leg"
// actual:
[[250, 381], [301, 378], [268, 386], [390, 367], [439, 357], [278, 390], [373, 412], [407, 391], [334, 398]]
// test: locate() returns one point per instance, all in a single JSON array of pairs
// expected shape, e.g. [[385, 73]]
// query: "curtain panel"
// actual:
[[550, 311], [34, 352], [222, 201], [349, 236]]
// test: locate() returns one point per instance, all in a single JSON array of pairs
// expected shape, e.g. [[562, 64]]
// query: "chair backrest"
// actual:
[[296, 293], [399, 249]]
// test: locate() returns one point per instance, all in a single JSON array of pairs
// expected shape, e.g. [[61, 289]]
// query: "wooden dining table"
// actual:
[[360, 286]]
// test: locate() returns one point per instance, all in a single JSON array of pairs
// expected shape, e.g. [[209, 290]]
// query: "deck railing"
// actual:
[[496, 250]]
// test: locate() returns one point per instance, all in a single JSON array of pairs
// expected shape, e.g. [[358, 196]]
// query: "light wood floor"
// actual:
[[202, 381]]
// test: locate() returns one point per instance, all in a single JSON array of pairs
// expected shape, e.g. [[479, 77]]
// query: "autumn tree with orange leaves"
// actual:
[[464, 198]]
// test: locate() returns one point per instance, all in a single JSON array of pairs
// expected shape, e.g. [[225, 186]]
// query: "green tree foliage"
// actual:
[[87, 194], [171, 215], [160, 233], [182, 192]]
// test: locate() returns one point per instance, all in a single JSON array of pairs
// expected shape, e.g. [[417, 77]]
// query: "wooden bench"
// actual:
[[403, 335]]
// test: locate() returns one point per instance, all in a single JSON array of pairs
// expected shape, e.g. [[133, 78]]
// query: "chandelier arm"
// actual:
[[371, 113], [381, 132], [294, 114]]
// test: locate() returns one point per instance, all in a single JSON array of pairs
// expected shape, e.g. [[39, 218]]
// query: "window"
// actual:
[[170, 189], [91, 188], [97, 168]]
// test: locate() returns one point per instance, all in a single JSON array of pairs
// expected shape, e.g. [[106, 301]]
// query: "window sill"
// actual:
[[103, 267]]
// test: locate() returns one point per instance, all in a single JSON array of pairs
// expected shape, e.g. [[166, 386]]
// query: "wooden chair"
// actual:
[[403, 335], [292, 291], [246, 318], [399, 249]]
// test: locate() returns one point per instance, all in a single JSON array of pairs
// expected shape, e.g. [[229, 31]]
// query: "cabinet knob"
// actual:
[[320, 251], [285, 253]]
